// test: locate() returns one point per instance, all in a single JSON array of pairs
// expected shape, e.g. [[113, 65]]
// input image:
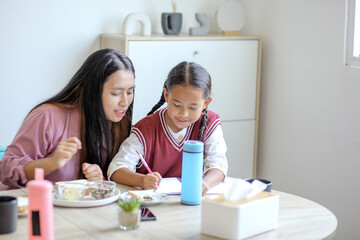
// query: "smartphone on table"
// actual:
[[147, 215]]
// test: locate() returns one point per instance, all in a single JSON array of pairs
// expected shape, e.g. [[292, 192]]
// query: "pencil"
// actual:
[[144, 162]]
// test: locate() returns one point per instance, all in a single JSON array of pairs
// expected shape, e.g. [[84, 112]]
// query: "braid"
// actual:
[[203, 124], [158, 105]]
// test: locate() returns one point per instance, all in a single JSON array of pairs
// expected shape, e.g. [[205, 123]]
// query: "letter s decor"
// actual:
[[141, 18], [204, 25]]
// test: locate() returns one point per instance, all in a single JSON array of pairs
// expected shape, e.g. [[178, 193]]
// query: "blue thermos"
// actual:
[[192, 171]]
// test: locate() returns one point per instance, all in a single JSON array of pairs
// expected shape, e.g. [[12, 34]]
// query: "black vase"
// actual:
[[171, 23]]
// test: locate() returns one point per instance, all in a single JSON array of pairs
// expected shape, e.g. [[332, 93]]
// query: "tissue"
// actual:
[[238, 189], [245, 208]]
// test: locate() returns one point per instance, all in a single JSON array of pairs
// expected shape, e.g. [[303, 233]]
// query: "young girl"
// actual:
[[159, 137], [76, 133]]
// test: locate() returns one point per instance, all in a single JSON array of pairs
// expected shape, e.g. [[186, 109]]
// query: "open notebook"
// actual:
[[172, 186]]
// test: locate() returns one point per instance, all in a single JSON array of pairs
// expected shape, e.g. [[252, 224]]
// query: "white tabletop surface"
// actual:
[[299, 218]]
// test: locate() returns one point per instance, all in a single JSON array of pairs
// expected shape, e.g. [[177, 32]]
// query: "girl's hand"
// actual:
[[65, 150], [92, 172], [205, 187], [151, 181]]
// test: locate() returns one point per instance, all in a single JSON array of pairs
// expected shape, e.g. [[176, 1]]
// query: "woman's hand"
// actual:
[[92, 172], [63, 153], [151, 181], [65, 150]]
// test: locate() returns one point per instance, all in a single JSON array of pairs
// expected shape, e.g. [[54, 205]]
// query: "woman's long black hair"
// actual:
[[193, 74], [84, 92]]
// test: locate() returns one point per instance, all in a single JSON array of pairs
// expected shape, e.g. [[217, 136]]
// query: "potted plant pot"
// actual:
[[171, 23], [129, 214]]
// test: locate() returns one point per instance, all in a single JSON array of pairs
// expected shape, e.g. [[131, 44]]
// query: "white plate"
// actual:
[[87, 202], [158, 198]]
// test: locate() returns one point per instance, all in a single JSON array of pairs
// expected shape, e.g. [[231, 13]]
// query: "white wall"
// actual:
[[310, 114], [310, 105], [43, 43]]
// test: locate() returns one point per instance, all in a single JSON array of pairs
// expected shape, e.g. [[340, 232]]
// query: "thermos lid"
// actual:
[[193, 146]]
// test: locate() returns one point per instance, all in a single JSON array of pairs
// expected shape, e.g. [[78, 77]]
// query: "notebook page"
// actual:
[[172, 186]]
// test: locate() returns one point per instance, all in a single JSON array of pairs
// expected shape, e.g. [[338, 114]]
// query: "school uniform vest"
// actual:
[[162, 153]]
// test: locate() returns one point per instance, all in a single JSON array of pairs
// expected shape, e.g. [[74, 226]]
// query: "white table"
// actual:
[[299, 218]]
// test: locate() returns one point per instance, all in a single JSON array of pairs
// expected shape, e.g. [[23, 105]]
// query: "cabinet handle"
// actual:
[[195, 53]]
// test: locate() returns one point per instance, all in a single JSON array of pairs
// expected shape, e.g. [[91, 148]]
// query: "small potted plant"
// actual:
[[129, 214]]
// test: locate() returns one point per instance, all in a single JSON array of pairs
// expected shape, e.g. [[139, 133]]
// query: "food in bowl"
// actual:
[[59, 190], [71, 191], [101, 189], [84, 190]]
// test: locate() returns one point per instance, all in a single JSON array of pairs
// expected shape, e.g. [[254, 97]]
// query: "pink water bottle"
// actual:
[[40, 211]]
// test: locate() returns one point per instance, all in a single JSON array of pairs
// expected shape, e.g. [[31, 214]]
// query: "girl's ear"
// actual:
[[166, 94], [207, 102]]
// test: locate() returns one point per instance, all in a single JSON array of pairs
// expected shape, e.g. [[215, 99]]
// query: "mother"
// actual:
[[75, 133]]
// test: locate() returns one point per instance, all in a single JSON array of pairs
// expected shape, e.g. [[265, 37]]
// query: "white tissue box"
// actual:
[[239, 219]]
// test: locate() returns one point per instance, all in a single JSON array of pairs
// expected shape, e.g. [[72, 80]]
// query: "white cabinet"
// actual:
[[233, 63]]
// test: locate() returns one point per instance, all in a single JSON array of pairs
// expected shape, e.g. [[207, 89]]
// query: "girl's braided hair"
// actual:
[[188, 73]]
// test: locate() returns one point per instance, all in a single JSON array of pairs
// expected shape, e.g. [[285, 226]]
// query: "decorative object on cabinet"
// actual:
[[234, 65], [171, 23], [174, 5], [141, 18], [204, 25], [230, 17]]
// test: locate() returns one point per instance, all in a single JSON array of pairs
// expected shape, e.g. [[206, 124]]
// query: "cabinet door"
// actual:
[[152, 61], [239, 137], [232, 65]]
